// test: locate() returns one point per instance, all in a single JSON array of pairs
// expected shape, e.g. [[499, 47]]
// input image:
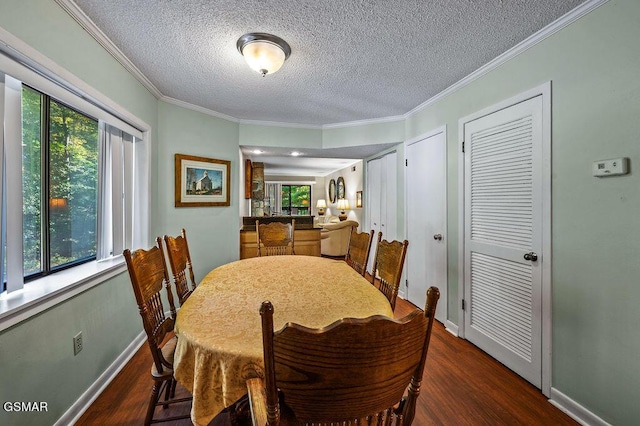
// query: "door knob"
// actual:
[[437, 237], [531, 256]]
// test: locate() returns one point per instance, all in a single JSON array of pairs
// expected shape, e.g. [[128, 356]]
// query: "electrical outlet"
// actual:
[[77, 343]]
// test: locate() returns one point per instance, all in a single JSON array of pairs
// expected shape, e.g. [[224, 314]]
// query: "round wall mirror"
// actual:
[[341, 190], [332, 191]]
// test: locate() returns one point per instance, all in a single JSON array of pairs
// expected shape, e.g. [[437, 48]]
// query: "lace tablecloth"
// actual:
[[219, 326]]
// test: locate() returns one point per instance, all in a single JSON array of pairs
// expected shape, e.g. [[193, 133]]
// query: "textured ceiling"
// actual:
[[351, 60]]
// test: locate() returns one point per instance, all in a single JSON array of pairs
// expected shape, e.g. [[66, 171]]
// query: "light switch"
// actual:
[[613, 167]]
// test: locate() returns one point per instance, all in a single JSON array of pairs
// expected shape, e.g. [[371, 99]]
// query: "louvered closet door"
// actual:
[[503, 236]]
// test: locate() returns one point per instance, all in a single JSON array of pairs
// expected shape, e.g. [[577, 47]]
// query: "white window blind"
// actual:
[[122, 191], [11, 117]]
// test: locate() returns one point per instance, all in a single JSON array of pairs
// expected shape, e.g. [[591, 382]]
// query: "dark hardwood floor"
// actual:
[[461, 386]]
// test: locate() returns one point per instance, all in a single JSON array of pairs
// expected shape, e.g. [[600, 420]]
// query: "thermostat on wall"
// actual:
[[613, 167]]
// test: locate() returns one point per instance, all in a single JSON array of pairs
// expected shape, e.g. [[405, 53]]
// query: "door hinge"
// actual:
[[406, 162], [462, 146], [463, 306], [406, 282]]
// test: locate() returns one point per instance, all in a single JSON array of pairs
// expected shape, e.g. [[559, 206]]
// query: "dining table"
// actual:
[[219, 326]]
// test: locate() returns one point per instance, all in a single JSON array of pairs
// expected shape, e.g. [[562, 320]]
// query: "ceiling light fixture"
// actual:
[[258, 151], [265, 53]]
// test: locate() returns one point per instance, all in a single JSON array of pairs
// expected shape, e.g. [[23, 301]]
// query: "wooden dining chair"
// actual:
[[358, 250], [354, 371], [387, 267], [180, 261], [148, 273], [275, 238]]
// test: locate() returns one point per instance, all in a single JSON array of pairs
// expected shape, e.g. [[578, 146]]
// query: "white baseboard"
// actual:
[[451, 327], [86, 399], [574, 410]]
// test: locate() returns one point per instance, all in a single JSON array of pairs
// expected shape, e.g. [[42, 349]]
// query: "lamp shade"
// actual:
[[343, 204], [264, 53]]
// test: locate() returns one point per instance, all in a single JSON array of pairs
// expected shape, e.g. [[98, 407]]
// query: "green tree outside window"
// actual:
[[296, 199]]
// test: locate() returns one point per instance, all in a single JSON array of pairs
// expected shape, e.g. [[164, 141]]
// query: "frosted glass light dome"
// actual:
[[264, 53]]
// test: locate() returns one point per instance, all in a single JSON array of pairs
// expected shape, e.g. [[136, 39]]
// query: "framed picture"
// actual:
[[248, 179], [358, 198], [202, 182], [341, 189], [332, 191]]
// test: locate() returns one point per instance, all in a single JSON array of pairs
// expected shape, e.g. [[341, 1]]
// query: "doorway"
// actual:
[[426, 177], [505, 238]]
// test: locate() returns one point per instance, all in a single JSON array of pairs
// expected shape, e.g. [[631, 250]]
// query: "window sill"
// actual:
[[43, 293]]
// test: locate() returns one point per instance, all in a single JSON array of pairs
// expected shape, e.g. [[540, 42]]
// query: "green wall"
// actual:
[[36, 356], [593, 66], [213, 232], [273, 136], [366, 134]]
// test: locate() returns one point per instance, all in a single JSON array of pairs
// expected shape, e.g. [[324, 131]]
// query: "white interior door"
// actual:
[[381, 199], [503, 236], [373, 201], [389, 197], [427, 221]]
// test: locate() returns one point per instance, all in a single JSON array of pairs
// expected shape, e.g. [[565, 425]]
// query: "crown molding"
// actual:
[[369, 121], [90, 27], [197, 108], [279, 124], [216, 114], [85, 22], [519, 48]]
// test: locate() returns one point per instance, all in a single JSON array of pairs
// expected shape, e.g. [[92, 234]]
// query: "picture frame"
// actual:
[[201, 181], [358, 199], [248, 179], [332, 191], [341, 189]]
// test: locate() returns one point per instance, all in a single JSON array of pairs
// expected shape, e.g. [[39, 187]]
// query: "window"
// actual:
[[296, 199], [59, 184], [74, 185]]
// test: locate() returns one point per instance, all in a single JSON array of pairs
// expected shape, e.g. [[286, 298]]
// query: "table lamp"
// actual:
[[343, 205], [321, 206]]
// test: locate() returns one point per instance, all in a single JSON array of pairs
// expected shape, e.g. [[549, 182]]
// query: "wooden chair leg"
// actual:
[[173, 388], [152, 402], [167, 392]]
